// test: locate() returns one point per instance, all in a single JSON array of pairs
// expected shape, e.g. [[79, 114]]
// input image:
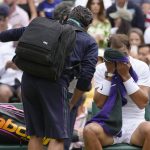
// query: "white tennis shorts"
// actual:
[[129, 126]]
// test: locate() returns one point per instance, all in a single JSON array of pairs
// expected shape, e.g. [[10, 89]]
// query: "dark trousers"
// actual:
[[71, 122]]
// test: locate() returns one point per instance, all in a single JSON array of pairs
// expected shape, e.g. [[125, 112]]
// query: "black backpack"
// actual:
[[44, 46]]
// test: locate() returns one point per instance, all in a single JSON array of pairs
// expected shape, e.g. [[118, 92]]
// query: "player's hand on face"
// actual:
[[110, 66], [123, 70]]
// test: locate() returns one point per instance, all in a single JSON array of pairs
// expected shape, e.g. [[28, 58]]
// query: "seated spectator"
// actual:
[[10, 76], [29, 7], [138, 16], [146, 10], [46, 8], [16, 14], [124, 77], [135, 38], [144, 53], [100, 27], [4, 13], [122, 21]]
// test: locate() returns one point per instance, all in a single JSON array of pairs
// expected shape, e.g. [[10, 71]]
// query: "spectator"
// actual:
[[85, 51], [8, 72], [46, 8], [138, 16], [122, 21], [29, 7], [135, 38], [144, 53], [100, 27], [4, 13], [16, 14], [146, 10], [102, 130]]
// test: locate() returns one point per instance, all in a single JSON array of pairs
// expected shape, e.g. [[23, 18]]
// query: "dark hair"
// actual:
[[124, 27], [144, 45], [101, 15], [4, 10], [82, 15], [62, 11], [119, 40]]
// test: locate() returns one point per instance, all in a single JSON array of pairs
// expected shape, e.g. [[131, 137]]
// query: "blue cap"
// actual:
[[4, 10]]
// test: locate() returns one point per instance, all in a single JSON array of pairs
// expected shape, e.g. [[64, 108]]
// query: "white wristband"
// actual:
[[105, 88], [131, 86]]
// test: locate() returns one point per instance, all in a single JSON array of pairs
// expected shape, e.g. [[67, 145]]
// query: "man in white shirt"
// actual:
[[135, 130]]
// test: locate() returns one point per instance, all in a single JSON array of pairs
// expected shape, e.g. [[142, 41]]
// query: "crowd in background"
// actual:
[[130, 17]]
